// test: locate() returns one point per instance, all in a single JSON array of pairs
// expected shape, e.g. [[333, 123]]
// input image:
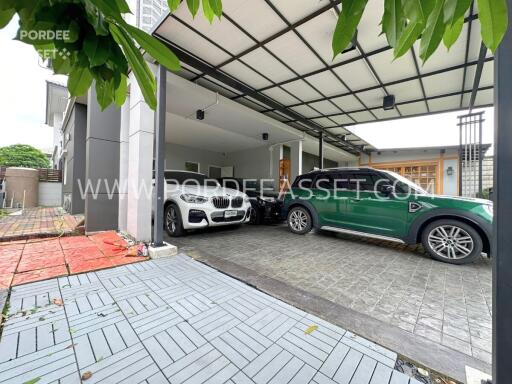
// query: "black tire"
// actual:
[[255, 217], [456, 247], [299, 220], [175, 230]]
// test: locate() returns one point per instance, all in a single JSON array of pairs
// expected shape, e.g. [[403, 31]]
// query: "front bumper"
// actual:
[[203, 217]]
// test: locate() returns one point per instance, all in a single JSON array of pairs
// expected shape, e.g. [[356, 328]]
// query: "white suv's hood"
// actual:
[[205, 191]]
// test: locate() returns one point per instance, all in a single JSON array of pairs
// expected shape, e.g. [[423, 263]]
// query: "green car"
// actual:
[[385, 205]]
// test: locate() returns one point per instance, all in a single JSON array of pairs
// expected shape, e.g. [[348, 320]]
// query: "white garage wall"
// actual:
[[252, 163], [177, 155], [50, 194]]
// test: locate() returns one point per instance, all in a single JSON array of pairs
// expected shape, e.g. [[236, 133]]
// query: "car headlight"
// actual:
[[268, 199], [193, 199], [489, 209]]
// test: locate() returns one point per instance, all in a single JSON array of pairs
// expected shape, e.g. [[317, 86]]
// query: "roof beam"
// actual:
[[466, 57], [478, 75], [213, 72], [420, 77]]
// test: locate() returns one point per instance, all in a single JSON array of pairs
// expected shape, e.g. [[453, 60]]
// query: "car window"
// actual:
[[324, 181], [304, 181], [341, 180], [364, 181]]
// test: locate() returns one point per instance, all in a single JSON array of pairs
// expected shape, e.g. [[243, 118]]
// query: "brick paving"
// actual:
[[25, 261], [176, 321], [37, 222], [397, 284]]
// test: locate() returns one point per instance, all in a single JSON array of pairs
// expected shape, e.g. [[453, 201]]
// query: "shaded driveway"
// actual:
[[396, 284]]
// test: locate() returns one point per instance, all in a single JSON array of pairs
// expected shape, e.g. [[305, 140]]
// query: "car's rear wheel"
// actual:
[[299, 220], [452, 241], [173, 222]]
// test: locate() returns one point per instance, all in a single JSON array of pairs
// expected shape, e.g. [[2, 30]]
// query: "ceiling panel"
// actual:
[[295, 53], [281, 96], [484, 97], [306, 111], [318, 33], [266, 64], [241, 72], [410, 90], [412, 109], [444, 103], [369, 30], [390, 114], [325, 107], [327, 83], [251, 104], [244, 12], [224, 33], [348, 103], [302, 90], [338, 131], [294, 10], [177, 33], [443, 83], [362, 117], [356, 75], [389, 69], [487, 78], [342, 119], [212, 84], [373, 98], [324, 122]]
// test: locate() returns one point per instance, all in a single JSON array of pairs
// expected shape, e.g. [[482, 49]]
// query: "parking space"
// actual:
[[399, 285]]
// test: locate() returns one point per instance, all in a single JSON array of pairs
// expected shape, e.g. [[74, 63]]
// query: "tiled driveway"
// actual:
[[176, 321], [399, 285]]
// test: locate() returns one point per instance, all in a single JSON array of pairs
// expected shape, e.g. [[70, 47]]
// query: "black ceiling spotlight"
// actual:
[[200, 114], [265, 136], [389, 102]]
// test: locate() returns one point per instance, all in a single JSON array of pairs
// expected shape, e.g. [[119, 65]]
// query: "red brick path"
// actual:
[[33, 260]]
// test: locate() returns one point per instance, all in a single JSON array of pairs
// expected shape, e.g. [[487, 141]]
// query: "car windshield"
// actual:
[[189, 178], [405, 184]]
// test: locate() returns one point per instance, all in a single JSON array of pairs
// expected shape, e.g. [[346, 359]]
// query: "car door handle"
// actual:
[[354, 200]]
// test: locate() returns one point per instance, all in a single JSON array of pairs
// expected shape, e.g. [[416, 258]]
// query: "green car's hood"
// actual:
[[460, 198]]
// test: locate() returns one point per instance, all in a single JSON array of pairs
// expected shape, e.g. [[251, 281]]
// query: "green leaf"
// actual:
[[155, 48], [452, 33], [97, 50], [408, 37], [173, 4], [193, 6], [109, 8], [74, 32], [104, 93], [349, 19], [434, 31], [79, 81], [493, 15], [208, 11], [6, 17], [121, 92], [454, 10], [123, 6], [142, 73], [216, 6], [393, 21], [33, 381], [61, 65]]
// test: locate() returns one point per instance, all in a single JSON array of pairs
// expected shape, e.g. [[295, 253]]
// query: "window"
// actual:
[[324, 182], [304, 181], [361, 182], [191, 166], [424, 175], [214, 172]]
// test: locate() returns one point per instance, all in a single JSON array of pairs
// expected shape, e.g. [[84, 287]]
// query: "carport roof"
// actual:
[[275, 57]]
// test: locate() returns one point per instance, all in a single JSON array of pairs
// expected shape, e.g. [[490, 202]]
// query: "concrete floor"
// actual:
[[398, 285], [176, 321]]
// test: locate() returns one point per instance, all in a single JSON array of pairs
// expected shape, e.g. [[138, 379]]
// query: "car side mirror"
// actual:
[[386, 189]]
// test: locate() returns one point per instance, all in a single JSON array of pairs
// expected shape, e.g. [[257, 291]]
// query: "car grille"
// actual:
[[220, 202], [237, 202]]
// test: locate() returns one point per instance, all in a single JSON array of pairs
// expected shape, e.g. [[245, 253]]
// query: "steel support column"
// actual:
[[502, 241], [158, 207], [321, 151]]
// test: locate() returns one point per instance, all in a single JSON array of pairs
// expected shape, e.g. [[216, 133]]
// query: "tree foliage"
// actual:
[[21, 155], [100, 47]]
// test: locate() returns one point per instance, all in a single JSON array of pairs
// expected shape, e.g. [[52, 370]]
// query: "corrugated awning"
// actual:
[[275, 56]]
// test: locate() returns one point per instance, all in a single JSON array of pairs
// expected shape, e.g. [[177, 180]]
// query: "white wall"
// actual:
[[177, 155], [50, 194], [252, 163]]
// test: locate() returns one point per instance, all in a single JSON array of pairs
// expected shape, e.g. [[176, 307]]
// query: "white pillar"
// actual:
[[140, 165], [296, 159], [124, 156]]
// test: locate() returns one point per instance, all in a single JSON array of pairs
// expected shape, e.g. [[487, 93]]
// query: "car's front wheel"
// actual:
[[173, 223], [299, 220], [452, 241]]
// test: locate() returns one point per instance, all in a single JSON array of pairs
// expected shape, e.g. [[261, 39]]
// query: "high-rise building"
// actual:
[[147, 12]]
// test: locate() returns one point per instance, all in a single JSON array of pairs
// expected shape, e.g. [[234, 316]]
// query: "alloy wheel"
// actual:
[[172, 220], [450, 242], [298, 220]]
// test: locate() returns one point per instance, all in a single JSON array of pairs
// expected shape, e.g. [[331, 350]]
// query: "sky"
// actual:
[[23, 103]]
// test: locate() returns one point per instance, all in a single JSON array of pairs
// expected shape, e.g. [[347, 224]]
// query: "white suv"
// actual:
[[193, 201]]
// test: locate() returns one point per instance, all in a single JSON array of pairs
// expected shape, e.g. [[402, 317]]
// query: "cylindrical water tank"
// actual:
[[22, 187]]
